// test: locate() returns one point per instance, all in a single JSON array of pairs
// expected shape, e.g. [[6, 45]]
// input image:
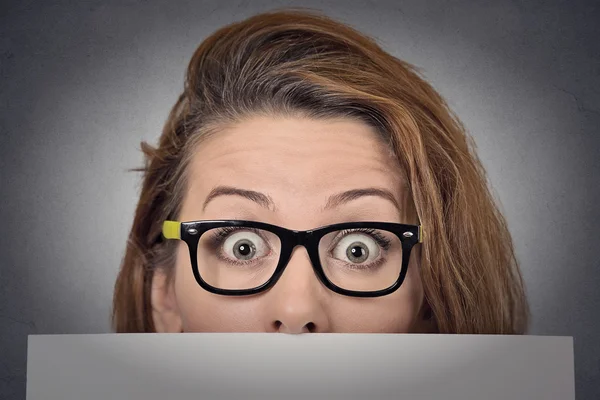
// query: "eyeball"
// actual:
[[356, 248], [244, 246]]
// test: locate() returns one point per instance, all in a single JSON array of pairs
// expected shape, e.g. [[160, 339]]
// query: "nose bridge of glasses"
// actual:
[[306, 239], [301, 237], [295, 239]]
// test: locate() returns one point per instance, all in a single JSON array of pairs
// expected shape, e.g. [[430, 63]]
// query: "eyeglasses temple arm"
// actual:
[[171, 230]]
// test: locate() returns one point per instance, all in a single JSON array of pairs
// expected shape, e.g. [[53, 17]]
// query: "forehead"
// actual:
[[294, 160]]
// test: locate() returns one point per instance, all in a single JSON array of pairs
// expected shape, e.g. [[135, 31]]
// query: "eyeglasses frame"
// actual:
[[191, 232]]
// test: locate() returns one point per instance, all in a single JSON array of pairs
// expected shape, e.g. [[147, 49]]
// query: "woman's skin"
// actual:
[[297, 163]]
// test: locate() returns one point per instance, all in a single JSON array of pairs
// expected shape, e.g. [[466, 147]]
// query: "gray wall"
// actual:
[[84, 82]]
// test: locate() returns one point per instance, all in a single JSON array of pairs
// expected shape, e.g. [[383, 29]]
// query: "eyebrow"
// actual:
[[257, 197], [334, 201], [354, 194]]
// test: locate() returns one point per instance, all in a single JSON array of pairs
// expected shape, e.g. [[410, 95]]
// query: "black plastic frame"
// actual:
[[192, 231]]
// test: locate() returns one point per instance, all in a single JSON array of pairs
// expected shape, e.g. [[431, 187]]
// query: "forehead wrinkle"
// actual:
[[287, 138], [311, 182], [311, 169]]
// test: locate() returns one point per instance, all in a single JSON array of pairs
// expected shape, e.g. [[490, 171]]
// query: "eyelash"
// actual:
[[379, 238], [221, 234], [218, 238]]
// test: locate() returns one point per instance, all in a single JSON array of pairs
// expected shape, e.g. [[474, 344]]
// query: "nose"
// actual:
[[296, 303]]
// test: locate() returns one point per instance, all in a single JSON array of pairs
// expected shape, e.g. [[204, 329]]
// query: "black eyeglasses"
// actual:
[[238, 258]]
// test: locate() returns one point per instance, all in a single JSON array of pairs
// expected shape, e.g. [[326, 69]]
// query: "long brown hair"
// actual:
[[303, 63]]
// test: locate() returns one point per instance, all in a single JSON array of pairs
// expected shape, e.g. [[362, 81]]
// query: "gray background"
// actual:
[[84, 82]]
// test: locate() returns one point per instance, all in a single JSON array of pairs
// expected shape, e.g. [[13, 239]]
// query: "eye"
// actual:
[[244, 246], [356, 248]]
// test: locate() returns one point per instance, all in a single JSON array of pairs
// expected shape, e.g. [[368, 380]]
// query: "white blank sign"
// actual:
[[308, 366]]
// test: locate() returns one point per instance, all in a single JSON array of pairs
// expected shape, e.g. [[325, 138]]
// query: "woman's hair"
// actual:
[[301, 63]]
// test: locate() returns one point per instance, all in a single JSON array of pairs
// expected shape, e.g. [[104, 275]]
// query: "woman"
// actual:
[[308, 181]]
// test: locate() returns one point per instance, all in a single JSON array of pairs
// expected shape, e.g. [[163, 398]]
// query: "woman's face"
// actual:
[[298, 164]]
